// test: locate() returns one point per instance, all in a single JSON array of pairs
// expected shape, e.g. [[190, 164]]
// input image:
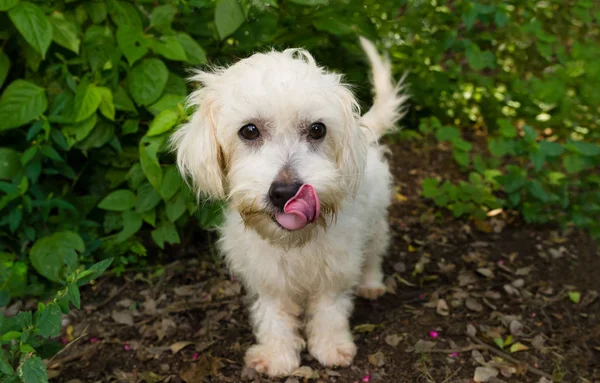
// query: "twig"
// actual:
[[83, 334], [503, 355], [452, 375], [73, 357], [453, 350]]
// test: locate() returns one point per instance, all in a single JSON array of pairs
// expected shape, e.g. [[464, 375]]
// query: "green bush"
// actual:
[[92, 89], [27, 334]]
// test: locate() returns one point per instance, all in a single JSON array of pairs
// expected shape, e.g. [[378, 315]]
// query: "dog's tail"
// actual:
[[389, 99]]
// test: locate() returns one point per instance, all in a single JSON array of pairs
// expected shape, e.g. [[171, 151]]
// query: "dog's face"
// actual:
[[280, 138]]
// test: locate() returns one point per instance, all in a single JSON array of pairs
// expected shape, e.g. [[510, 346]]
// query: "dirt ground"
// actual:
[[500, 302]]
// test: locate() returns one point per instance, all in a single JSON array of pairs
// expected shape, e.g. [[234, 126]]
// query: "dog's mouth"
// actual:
[[300, 210]]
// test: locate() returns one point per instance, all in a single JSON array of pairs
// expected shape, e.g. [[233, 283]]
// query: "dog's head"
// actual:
[[280, 138]]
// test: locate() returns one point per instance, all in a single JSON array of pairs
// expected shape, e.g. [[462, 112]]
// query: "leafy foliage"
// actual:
[[25, 338], [91, 90]]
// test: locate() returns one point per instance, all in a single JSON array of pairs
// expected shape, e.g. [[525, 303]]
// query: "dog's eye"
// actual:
[[317, 131], [249, 132]]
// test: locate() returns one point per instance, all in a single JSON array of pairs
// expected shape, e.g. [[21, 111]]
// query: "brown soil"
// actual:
[[496, 278]]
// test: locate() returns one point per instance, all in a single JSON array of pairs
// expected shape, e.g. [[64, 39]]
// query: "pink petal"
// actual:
[[195, 356], [64, 340], [533, 315], [501, 262], [454, 354], [422, 296], [433, 334], [366, 378], [127, 347]]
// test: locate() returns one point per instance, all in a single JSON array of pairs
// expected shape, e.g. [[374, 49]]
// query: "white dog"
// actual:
[[308, 190]]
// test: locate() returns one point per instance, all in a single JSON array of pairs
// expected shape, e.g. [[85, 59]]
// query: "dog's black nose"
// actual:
[[280, 193]]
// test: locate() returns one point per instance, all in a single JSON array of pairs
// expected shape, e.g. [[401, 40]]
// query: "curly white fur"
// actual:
[[306, 275]]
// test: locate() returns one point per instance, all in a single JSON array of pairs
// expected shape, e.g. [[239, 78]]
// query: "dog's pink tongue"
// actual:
[[300, 210]]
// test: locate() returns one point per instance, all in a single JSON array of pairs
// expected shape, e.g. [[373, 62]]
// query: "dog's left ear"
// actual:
[[352, 150], [199, 155]]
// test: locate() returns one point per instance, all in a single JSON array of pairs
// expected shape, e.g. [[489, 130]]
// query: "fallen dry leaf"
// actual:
[[485, 272], [206, 365], [377, 359], [471, 330], [483, 374], [305, 372], [178, 346], [393, 339], [442, 308], [122, 317], [516, 347], [150, 377], [423, 346], [367, 327], [516, 327], [473, 304]]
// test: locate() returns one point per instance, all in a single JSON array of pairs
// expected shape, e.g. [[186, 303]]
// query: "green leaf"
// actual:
[[100, 136], [123, 102], [147, 81], [587, 149], [107, 105], [193, 51], [507, 129], [130, 126], [132, 43], [551, 149], [78, 132], [573, 163], [56, 254], [150, 165], [167, 101], [118, 200], [171, 183], [97, 11], [132, 223], [447, 133], [462, 158], [169, 48], [5, 368], [313, 3], [500, 18], [334, 25], [147, 198], [574, 296], [165, 232], [4, 67], [94, 271], [65, 33], [74, 295], [87, 101], [34, 26], [176, 207], [10, 163], [124, 13], [229, 16], [11, 335], [537, 190], [5, 5], [50, 321], [163, 15], [162, 123], [555, 177], [21, 102], [538, 158], [33, 370], [430, 187]]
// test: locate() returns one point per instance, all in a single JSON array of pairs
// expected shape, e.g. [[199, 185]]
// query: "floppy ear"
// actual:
[[199, 155], [352, 150]]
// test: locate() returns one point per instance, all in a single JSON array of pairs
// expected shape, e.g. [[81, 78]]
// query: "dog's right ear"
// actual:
[[199, 155]]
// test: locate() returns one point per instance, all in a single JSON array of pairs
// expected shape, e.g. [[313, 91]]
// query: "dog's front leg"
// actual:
[[276, 323], [328, 329]]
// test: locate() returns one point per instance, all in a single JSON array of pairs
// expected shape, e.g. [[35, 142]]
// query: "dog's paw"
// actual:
[[371, 291], [331, 354], [272, 361]]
